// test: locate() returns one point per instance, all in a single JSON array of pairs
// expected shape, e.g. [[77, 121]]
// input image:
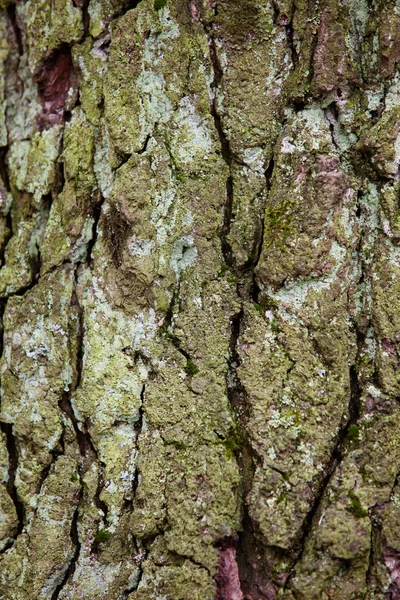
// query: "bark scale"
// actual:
[[200, 299]]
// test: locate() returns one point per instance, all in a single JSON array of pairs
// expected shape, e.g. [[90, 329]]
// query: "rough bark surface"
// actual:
[[200, 299]]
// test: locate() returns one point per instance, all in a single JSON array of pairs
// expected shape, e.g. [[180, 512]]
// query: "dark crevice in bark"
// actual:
[[145, 144], [129, 503], [4, 169], [254, 289], [100, 504], [124, 158], [87, 448], [129, 5], [245, 274], [276, 12], [7, 238], [95, 229], [332, 120], [226, 154], [375, 547], [236, 391], [54, 454], [12, 19], [138, 429], [254, 578], [358, 204], [168, 330], [80, 334], [288, 23], [76, 542], [7, 430], [141, 555], [290, 40], [84, 6], [337, 454], [3, 194], [254, 572]]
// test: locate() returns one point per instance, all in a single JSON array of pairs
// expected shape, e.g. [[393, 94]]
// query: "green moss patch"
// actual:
[[356, 507]]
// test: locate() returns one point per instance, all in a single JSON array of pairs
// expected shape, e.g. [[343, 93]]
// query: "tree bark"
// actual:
[[200, 299]]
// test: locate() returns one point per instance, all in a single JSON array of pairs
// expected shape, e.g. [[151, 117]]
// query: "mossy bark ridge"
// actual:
[[200, 299]]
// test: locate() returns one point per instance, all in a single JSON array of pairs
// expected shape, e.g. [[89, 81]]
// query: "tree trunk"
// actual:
[[200, 299]]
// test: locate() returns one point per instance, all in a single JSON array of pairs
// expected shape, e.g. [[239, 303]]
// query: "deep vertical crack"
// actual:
[[84, 6], [87, 450], [226, 152], [336, 457], [138, 430], [254, 288], [12, 19], [95, 228], [76, 542], [12, 451], [251, 570]]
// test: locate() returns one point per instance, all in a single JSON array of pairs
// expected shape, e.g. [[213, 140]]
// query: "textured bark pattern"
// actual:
[[200, 297]]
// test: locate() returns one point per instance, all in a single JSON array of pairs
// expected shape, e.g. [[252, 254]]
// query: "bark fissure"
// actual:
[[74, 534], [252, 576], [226, 151], [254, 289], [95, 229], [336, 457], [353, 416], [7, 430], [12, 17]]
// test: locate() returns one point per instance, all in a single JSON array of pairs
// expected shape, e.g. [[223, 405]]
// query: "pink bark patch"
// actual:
[[54, 79], [227, 578], [389, 347], [392, 562]]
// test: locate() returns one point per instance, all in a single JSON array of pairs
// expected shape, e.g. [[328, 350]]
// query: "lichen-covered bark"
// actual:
[[200, 299]]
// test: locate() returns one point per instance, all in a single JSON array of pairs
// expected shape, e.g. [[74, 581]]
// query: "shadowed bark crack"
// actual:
[[226, 151], [12, 451], [95, 228], [129, 503], [87, 450], [84, 6], [226, 224], [332, 119], [337, 455], [252, 578], [7, 429], [168, 330], [76, 542], [254, 289], [15, 28]]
